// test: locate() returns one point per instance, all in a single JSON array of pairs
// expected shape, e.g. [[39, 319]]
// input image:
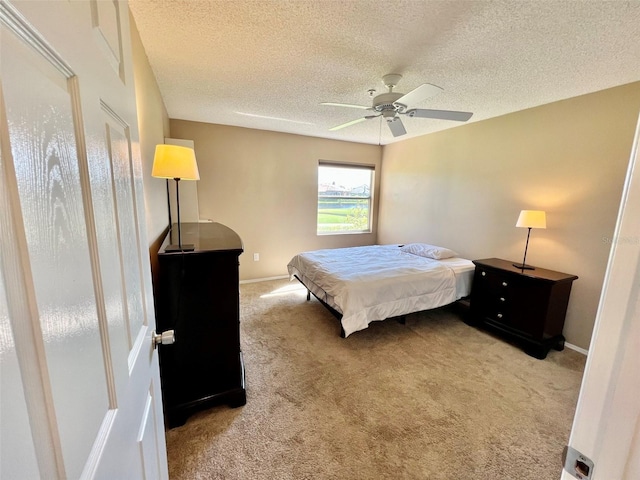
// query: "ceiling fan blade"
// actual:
[[348, 105], [396, 126], [424, 91], [348, 124], [439, 114]]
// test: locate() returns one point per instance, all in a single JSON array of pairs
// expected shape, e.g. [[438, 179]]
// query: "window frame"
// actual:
[[349, 166]]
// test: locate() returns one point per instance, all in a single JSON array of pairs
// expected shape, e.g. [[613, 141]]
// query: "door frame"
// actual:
[[606, 426]]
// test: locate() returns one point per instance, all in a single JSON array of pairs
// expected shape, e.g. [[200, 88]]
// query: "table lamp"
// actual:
[[530, 219], [179, 163]]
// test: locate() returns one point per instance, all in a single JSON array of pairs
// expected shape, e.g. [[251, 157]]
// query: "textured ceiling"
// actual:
[[235, 62]]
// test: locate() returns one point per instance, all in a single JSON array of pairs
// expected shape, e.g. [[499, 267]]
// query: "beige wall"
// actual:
[[153, 123], [264, 186], [463, 188]]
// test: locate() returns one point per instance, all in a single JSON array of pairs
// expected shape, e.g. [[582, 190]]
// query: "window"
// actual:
[[344, 198]]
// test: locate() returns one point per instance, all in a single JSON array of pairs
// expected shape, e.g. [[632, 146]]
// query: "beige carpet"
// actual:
[[432, 399]]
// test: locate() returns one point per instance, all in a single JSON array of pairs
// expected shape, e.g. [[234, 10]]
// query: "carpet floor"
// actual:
[[431, 399]]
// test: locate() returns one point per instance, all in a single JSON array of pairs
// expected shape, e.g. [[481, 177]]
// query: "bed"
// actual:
[[360, 285]]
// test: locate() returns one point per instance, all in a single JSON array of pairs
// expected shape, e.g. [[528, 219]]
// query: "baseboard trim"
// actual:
[[576, 348], [266, 279]]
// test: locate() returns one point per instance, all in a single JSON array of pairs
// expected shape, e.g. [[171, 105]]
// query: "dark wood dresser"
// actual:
[[529, 306], [197, 296]]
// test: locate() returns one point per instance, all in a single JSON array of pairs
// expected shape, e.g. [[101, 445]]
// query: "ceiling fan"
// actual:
[[391, 105]]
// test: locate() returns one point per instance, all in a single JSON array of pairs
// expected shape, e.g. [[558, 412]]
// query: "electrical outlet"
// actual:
[[256, 257]]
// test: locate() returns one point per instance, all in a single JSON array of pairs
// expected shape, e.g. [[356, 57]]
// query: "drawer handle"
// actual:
[[499, 315], [502, 299], [504, 284], [484, 274]]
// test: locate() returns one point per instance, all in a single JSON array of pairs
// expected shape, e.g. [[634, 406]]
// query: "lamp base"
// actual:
[[523, 266], [186, 247]]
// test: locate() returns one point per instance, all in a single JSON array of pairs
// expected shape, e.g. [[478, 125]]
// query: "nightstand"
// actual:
[[528, 306]]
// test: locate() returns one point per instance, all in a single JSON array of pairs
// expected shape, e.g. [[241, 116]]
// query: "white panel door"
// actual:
[[606, 427], [80, 390]]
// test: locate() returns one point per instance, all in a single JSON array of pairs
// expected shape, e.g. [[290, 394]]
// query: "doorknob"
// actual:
[[164, 338]]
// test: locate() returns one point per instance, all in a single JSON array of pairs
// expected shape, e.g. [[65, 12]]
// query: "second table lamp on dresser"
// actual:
[[530, 219], [179, 163]]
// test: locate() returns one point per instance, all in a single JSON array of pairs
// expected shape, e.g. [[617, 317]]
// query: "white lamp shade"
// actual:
[[532, 219], [174, 161]]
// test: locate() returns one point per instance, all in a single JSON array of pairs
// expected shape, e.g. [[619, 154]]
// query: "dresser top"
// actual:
[[538, 273], [206, 237]]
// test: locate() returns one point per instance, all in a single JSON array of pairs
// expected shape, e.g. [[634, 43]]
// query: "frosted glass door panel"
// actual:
[[43, 145]]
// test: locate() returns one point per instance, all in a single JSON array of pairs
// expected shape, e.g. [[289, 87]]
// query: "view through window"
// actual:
[[344, 198]]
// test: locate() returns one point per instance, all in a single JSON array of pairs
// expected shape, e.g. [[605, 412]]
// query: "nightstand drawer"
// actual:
[[495, 292], [498, 315], [493, 282]]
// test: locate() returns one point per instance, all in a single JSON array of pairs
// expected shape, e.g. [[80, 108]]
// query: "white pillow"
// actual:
[[428, 251]]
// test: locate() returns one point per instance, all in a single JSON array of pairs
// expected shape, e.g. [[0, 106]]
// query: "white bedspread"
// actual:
[[376, 282]]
